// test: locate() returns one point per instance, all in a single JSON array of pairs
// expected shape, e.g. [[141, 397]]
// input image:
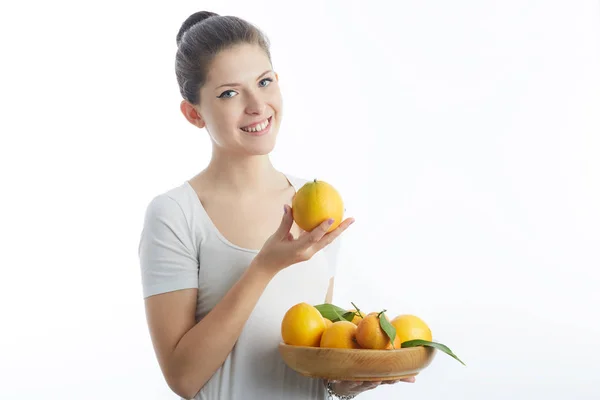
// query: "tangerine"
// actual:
[[302, 325], [340, 335], [370, 334], [410, 327], [315, 202]]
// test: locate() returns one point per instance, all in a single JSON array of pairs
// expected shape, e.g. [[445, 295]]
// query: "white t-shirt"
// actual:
[[181, 248]]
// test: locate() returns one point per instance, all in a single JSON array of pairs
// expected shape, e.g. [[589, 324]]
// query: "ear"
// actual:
[[191, 114]]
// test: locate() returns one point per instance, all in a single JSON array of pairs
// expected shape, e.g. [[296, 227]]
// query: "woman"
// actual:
[[221, 258]]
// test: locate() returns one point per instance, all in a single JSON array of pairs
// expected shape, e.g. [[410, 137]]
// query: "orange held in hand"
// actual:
[[302, 325], [315, 202]]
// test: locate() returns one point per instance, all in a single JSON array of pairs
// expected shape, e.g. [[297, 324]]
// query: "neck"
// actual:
[[243, 173]]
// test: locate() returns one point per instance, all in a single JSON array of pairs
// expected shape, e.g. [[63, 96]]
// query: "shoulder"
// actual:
[[169, 222], [173, 204]]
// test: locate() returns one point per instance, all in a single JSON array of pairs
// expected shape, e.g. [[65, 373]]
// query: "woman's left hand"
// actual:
[[349, 388]]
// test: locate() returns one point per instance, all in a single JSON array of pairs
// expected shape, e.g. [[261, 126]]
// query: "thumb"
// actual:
[[286, 223]]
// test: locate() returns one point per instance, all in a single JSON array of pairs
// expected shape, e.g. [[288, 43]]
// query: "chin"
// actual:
[[263, 147]]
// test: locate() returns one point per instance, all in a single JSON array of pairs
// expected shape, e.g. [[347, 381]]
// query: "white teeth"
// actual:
[[258, 127]]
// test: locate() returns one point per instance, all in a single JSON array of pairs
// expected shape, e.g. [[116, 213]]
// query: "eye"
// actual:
[[227, 94], [265, 82]]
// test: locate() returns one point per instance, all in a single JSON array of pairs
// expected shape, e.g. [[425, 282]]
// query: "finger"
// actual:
[[286, 223], [328, 238], [347, 222], [350, 385], [316, 234], [370, 385], [303, 233], [409, 380]]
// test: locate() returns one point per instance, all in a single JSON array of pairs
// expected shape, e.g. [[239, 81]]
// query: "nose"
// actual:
[[255, 104]]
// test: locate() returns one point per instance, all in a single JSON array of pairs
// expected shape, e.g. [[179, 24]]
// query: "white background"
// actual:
[[463, 135]]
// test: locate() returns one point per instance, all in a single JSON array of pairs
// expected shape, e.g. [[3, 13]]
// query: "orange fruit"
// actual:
[[315, 202], [397, 344], [328, 322], [340, 335], [370, 335], [410, 327], [302, 325]]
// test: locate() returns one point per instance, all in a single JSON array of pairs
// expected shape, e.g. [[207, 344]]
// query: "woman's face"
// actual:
[[240, 102]]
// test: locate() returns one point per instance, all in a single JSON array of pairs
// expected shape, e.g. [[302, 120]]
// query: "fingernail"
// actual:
[[330, 221], [284, 209]]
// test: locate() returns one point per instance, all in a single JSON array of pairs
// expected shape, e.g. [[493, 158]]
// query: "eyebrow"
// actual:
[[237, 84]]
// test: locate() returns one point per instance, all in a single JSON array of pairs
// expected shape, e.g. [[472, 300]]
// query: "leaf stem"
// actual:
[[360, 314]]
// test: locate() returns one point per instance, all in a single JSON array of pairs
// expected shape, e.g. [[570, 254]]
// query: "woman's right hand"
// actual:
[[282, 250]]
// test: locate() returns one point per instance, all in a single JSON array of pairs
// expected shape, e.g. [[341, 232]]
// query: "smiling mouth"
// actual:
[[258, 128]]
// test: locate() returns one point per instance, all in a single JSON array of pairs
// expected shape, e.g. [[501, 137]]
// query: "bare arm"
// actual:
[[190, 354]]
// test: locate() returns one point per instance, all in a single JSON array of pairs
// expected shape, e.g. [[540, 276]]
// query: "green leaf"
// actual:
[[387, 327], [439, 346], [349, 316], [334, 313], [358, 312]]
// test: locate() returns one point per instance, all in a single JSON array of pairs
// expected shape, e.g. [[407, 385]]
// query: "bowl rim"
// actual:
[[362, 351]]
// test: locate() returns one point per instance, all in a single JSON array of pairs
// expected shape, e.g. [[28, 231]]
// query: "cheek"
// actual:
[[220, 121], [276, 100]]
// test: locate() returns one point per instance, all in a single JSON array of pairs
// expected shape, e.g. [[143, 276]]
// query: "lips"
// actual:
[[258, 127]]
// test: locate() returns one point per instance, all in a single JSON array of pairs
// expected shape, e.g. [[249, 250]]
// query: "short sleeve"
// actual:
[[168, 260]]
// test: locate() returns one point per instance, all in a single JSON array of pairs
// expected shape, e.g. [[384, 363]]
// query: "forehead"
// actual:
[[238, 64]]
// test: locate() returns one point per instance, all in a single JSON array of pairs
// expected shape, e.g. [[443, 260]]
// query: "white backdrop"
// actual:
[[464, 136]]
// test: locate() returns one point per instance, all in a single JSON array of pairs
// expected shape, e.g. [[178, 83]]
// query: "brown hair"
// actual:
[[201, 36]]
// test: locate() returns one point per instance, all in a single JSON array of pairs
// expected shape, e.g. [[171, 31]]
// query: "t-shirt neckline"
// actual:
[[214, 228]]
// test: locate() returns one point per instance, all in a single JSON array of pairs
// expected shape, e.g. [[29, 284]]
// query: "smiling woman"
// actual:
[[221, 257], [239, 91]]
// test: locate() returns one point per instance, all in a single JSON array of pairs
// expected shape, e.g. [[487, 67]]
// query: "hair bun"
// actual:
[[192, 20]]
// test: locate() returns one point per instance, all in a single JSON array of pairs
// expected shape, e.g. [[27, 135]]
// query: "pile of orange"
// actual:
[[304, 325]]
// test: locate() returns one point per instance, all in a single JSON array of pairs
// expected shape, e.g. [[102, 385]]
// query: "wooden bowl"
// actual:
[[357, 364]]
